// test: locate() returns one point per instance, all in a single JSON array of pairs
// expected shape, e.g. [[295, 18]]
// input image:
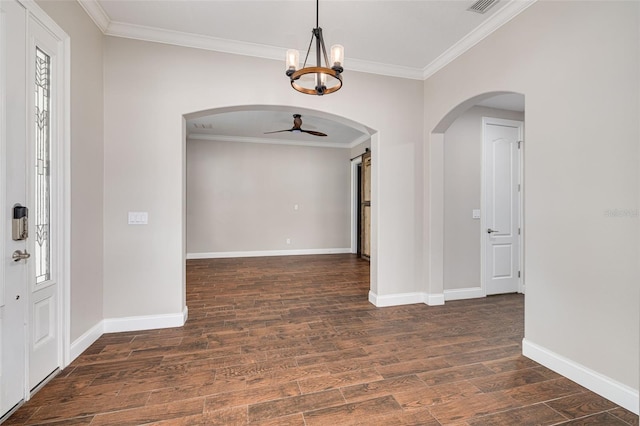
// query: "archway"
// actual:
[[436, 198], [367, 136]]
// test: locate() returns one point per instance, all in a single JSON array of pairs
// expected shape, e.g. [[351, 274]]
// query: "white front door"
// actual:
[[13, 188], [30, 164], [501, 189], [43, 171]]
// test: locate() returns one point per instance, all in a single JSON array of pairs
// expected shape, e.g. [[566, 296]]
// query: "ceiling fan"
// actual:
[[297, 127]]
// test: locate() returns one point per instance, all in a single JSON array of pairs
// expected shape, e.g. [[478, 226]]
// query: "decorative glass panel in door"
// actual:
[[42, 176]]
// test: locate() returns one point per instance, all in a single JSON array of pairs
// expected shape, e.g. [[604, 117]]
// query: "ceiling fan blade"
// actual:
[[278, 131], [297, 123], [313, 132]]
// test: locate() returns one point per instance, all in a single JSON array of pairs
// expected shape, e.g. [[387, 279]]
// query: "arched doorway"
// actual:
[[259, 131], [507, 105]]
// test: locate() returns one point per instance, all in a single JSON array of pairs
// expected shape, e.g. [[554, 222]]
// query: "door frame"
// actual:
[[355, 208], [61, 186], [483, 202]]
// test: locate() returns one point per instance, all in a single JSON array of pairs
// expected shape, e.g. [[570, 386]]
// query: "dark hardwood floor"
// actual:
[[294, 341]]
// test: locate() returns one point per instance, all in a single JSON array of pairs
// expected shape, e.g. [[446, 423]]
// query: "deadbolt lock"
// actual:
[[20, 223]]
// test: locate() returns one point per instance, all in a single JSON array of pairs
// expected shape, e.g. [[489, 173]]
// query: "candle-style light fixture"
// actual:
[[318, 80]]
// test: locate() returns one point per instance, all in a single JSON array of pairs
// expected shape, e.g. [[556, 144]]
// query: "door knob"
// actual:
[[491, 231], [19, 255]]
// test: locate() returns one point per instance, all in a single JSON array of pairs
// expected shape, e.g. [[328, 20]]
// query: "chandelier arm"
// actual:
[[308, 50]]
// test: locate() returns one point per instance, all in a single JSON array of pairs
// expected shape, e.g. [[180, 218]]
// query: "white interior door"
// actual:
[[501, 188], [13, 188]]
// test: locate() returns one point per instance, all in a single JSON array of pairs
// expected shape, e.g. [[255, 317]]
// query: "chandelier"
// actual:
[[316, 80]]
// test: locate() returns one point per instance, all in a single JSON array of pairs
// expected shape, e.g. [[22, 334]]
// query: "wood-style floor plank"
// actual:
[[293, 341], [530, 415]]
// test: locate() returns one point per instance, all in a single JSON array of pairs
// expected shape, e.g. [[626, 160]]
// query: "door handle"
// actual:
[[491, 231], [18, 255]]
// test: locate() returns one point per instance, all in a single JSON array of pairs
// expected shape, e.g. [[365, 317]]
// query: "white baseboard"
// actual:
[[405, 299], [464, 293], [617, 392], [145, 322], [83, 342], [434, 299], [395, 299], [225, 254], [116, 325]]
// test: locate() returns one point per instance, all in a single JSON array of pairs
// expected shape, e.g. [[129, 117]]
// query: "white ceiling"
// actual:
[[403, 38], [250, 126], [511, 102]]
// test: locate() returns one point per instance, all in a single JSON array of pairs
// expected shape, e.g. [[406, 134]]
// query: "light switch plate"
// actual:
[[138, 218], [475, 214]]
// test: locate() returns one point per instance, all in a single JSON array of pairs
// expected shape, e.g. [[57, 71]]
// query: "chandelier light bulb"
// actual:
[[337, 55], [321, 83], [292, 61]]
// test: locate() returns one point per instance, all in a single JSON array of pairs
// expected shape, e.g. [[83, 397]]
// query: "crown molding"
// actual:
[[383, 69], [497, 20], [178, 38], [138, 32], [96, 13], [243, 139]]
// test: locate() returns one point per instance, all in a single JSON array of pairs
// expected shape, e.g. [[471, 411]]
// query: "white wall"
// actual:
[[462, 188], [149, 86], [241, 197], [577, 63], [86, 163], [360, 148]]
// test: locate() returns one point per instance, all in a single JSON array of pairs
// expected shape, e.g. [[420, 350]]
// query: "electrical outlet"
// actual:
[[288, 240]]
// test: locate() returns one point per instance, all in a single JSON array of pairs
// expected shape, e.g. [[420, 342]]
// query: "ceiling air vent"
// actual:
[[481, 6]]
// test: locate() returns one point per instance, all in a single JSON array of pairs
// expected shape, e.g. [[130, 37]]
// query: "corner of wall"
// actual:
[[115, 325], [87, 339]]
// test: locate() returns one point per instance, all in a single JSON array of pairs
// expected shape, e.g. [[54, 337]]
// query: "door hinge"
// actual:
[[518, 274], [518, 187], [518, 231]]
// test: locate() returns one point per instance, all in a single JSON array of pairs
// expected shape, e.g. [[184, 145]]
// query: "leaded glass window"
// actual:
[[41, 215]]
